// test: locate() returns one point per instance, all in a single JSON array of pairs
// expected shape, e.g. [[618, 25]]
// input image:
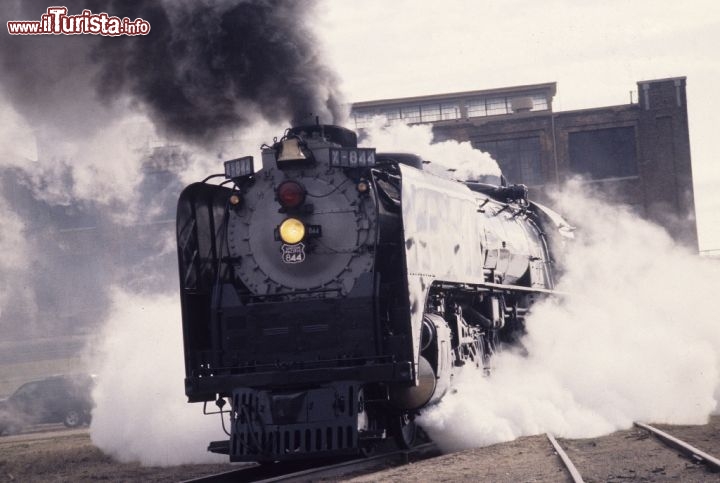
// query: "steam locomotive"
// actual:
[[329, 297]]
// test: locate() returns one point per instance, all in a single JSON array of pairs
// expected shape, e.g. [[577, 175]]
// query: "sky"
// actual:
[[595, 51]]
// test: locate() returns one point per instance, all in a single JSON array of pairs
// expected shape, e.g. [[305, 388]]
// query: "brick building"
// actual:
[[638, 153]]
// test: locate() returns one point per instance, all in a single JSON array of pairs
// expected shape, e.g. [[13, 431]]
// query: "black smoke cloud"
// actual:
[[204, 70]]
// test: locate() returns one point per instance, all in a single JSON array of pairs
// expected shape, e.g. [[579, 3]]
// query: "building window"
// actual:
[[539, 102], [476, 108], [411, 114], [430, 112], [450, 111], [497, 105], [519, 159], [392, 115], [471, 105], [362, 119], [603, 153]]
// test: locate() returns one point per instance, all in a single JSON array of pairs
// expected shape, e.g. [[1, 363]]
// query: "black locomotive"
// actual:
[[328, 297]]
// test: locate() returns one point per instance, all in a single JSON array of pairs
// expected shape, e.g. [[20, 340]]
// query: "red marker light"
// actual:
[[290, 194]]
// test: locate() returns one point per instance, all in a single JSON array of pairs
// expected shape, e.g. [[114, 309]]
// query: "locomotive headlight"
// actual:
[[292, 231]]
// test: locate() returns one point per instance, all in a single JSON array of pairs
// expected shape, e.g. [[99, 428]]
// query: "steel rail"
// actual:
[[685, 448], [303, 470], [394, 458], [574, 473]]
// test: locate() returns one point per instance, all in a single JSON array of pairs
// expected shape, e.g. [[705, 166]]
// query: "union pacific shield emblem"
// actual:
[[293, 253]]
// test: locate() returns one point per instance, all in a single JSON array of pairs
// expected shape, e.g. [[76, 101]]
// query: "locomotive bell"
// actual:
[[290, 151]]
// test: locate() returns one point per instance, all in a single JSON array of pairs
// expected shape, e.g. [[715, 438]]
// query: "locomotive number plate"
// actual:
[[293, 253], [352, 157]]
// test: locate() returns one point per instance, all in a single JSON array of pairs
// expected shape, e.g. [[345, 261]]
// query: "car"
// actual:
[[58, 399]]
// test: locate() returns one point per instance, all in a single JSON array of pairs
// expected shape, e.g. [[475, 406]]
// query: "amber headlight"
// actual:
[[292, 231]]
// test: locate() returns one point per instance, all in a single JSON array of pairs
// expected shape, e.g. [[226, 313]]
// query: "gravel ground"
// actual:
[[55, 454], [68, 455], [643, 457], [526, 459], [624, 456]]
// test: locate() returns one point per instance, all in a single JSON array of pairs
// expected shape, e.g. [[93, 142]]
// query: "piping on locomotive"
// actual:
[[329, 297]]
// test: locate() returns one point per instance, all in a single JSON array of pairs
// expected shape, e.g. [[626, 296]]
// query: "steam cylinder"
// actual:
[[434, 368]]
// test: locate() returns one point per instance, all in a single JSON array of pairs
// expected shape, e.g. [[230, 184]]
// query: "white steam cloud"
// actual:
[[141, 412], [15, 258], [106, 166], [103, 166], [17, 140], [635, 339], [11, 240], [118, 176], [465, 162]]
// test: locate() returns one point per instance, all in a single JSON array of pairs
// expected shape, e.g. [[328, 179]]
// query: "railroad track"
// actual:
[[692, 453], [338, 469], [301, 471], [688, 450]]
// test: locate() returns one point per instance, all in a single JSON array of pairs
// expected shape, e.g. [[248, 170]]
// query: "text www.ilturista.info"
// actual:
[[57, 22]]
